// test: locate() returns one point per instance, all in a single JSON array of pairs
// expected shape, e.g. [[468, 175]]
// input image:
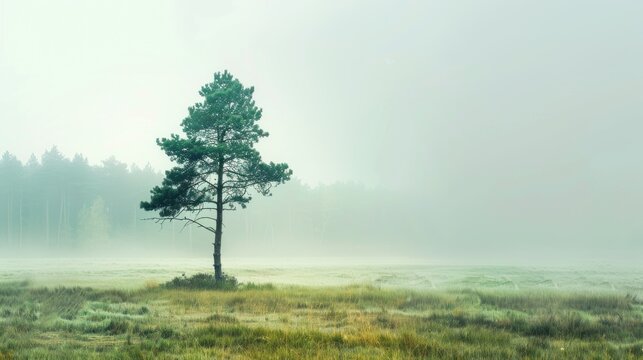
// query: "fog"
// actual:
[[470, 132]]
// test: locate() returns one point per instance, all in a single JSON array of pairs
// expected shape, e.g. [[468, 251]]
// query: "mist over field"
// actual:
[[65, 207], [432, 132], [447, 132]]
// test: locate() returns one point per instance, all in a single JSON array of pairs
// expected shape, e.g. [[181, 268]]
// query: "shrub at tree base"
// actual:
[[203, 281]]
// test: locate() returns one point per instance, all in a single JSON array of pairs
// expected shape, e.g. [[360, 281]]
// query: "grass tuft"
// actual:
[[203, 281]]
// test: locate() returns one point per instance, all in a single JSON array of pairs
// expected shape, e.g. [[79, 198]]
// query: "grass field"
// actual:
[[340, 322]]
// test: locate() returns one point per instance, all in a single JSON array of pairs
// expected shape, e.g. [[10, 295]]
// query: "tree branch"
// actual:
[[161, 220]]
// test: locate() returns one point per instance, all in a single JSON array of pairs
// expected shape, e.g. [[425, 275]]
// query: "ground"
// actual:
[[339, 322]]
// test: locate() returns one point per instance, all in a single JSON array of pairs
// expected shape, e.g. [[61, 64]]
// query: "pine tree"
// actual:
[[218, 167]]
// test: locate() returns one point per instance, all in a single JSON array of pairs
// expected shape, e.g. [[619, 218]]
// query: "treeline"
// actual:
[[56, 205], [57, 202]]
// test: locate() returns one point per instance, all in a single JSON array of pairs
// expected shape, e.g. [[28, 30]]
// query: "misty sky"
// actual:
[[512, 119]]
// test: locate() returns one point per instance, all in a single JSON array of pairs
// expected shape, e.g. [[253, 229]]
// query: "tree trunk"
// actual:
[[218, 274], [47, 222], [60, 220], [20, 219], [8, 220]]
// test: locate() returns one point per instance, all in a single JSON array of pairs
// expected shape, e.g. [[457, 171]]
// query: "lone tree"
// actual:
[[218, 166]]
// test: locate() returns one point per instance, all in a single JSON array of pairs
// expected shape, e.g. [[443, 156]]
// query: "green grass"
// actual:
[[354, 322]]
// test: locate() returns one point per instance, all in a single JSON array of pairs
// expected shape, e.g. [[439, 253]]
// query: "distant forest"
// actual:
[[56, 202], [57, 205]]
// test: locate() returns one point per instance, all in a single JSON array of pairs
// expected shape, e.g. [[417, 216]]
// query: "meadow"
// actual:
[[265, 321]]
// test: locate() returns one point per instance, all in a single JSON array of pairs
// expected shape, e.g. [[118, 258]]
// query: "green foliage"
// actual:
[[203, 282], [217, 161]]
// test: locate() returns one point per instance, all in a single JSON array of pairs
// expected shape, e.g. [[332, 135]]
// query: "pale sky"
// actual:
[[352, 90], [514, 118]]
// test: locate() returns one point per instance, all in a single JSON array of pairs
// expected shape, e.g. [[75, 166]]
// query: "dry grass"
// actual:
[[355, 322]]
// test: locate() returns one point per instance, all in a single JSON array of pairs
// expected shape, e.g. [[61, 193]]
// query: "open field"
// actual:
[[116, 309], [287, 322], [121, 273]]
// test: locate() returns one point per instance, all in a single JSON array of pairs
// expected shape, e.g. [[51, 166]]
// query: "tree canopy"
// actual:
[[218, 167]]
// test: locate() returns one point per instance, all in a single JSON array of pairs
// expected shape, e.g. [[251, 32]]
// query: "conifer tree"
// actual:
[[218, 167]]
